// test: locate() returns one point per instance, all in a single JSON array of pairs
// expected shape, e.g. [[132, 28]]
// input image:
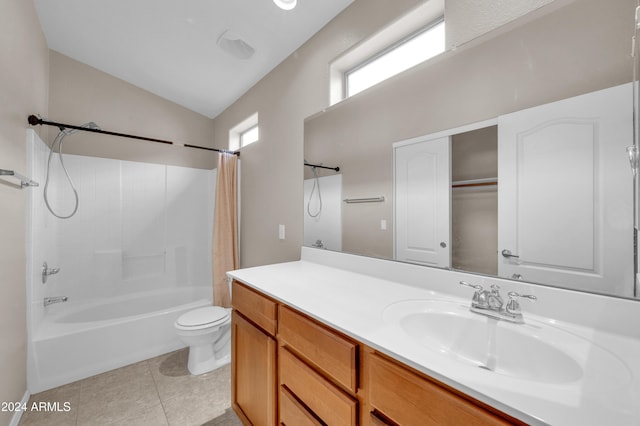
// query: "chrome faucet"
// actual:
[[51, 300], [46, 271], [491, 304]]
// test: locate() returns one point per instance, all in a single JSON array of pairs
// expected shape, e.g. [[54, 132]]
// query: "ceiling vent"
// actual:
[[233, 44]]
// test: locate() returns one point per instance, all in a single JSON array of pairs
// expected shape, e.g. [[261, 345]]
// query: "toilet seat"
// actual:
[[209, 316]]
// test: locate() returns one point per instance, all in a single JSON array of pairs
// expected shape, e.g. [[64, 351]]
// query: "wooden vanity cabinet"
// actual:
[[253, 357], [289, 369], [318, 368], [399, 396]]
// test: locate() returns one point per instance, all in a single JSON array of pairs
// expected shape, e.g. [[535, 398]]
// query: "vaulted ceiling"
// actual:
[[169, 47]]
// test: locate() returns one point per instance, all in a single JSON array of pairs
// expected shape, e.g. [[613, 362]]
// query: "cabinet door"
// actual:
[[253, 369], [422, 200]]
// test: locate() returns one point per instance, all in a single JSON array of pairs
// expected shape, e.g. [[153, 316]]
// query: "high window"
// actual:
[[406, 42], [244, 133], [249, 136], [412, 50]]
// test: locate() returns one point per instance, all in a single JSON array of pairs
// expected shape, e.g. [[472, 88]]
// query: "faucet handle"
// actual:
[[478, 287], [479, 297], [513, 307]]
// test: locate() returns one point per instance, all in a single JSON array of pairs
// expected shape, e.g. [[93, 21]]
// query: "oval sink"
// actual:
[[531, 351]]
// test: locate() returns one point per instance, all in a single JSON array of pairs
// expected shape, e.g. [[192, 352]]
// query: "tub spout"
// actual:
[[50, 300]]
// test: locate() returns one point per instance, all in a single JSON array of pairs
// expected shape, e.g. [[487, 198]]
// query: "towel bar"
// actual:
[[24, 181]]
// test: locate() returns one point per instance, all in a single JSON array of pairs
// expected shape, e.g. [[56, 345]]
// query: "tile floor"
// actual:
[[158, 391]]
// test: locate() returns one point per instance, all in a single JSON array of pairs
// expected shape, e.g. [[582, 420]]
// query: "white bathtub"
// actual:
[[79, 339]]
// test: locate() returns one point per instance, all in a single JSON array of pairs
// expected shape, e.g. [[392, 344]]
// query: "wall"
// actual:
[[581, 47], [272, 170], [80, 93], [468, 19], [24, 89]]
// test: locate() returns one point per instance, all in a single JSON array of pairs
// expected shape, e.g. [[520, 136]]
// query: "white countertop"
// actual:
[[354, 302]]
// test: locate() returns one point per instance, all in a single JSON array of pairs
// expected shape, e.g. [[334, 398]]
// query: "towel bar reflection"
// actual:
[[24, 181], [364, 200]]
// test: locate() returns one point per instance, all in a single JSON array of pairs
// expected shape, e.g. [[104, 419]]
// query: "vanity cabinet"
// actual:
[[253, 357], [289, 369], [318, 368], [398, 396]]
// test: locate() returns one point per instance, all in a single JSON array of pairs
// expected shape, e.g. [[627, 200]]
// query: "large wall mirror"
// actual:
[[505, 157]]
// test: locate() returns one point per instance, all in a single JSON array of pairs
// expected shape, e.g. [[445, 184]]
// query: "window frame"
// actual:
[[237, 131], [244, 133], [422, 30]]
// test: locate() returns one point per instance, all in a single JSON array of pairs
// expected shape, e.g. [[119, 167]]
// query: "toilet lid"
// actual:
[[210, 315]]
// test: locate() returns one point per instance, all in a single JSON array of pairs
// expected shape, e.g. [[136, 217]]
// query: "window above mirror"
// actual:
[[411, 50], [412, 39]]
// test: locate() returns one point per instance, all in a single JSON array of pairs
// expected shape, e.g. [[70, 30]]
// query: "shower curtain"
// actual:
[[225, 228]]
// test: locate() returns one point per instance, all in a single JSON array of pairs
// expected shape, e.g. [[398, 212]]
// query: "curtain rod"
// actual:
[[337, 169], [33, 120]]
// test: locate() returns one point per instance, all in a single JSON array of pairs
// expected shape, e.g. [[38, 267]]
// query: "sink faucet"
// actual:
[[491, 304], [50, 300]]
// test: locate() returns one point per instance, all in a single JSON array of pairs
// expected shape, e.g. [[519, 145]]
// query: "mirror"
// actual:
[[471, 97]]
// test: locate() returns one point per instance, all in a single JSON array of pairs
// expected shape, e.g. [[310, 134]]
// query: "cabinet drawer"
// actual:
[[292, 413], [256, 307], [332, 405], [328, 351], [409, 399]]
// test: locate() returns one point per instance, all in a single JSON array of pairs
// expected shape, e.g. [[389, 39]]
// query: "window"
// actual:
[[405, 42], [414, 49], [244, 133], [249, 136]]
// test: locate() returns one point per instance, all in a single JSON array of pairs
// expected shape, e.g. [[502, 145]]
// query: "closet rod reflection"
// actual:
[[33, 120]]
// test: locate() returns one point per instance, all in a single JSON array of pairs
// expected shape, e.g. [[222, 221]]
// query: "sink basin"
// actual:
[[533, 351]]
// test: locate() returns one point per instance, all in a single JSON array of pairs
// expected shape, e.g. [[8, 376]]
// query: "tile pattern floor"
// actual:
[[156, 392]]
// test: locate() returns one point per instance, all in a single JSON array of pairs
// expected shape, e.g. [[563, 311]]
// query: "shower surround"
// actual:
[[141, 239]]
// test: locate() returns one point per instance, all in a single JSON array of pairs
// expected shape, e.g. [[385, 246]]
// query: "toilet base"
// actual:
[[206, 358], [197, 367]]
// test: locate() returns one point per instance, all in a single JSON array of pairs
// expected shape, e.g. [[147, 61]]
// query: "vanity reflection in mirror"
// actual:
[[506, 156]]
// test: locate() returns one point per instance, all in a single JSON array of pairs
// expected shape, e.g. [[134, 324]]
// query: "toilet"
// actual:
[[207, 332]]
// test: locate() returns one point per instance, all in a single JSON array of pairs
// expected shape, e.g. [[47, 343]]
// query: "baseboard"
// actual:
[[17, 415]]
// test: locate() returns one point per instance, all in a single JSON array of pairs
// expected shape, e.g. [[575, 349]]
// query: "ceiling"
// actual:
[[168, 47]]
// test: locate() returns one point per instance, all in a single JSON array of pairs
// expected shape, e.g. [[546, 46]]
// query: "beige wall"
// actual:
[[23, 90], [272, 170], [80, 93], [581, 47]]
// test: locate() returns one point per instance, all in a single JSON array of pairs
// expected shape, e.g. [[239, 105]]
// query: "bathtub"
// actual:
[[78, 339]]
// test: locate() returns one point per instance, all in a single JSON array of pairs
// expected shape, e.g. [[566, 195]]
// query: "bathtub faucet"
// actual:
[[50, 300]]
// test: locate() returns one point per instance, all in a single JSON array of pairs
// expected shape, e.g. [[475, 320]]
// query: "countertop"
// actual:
[[354, 303]]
